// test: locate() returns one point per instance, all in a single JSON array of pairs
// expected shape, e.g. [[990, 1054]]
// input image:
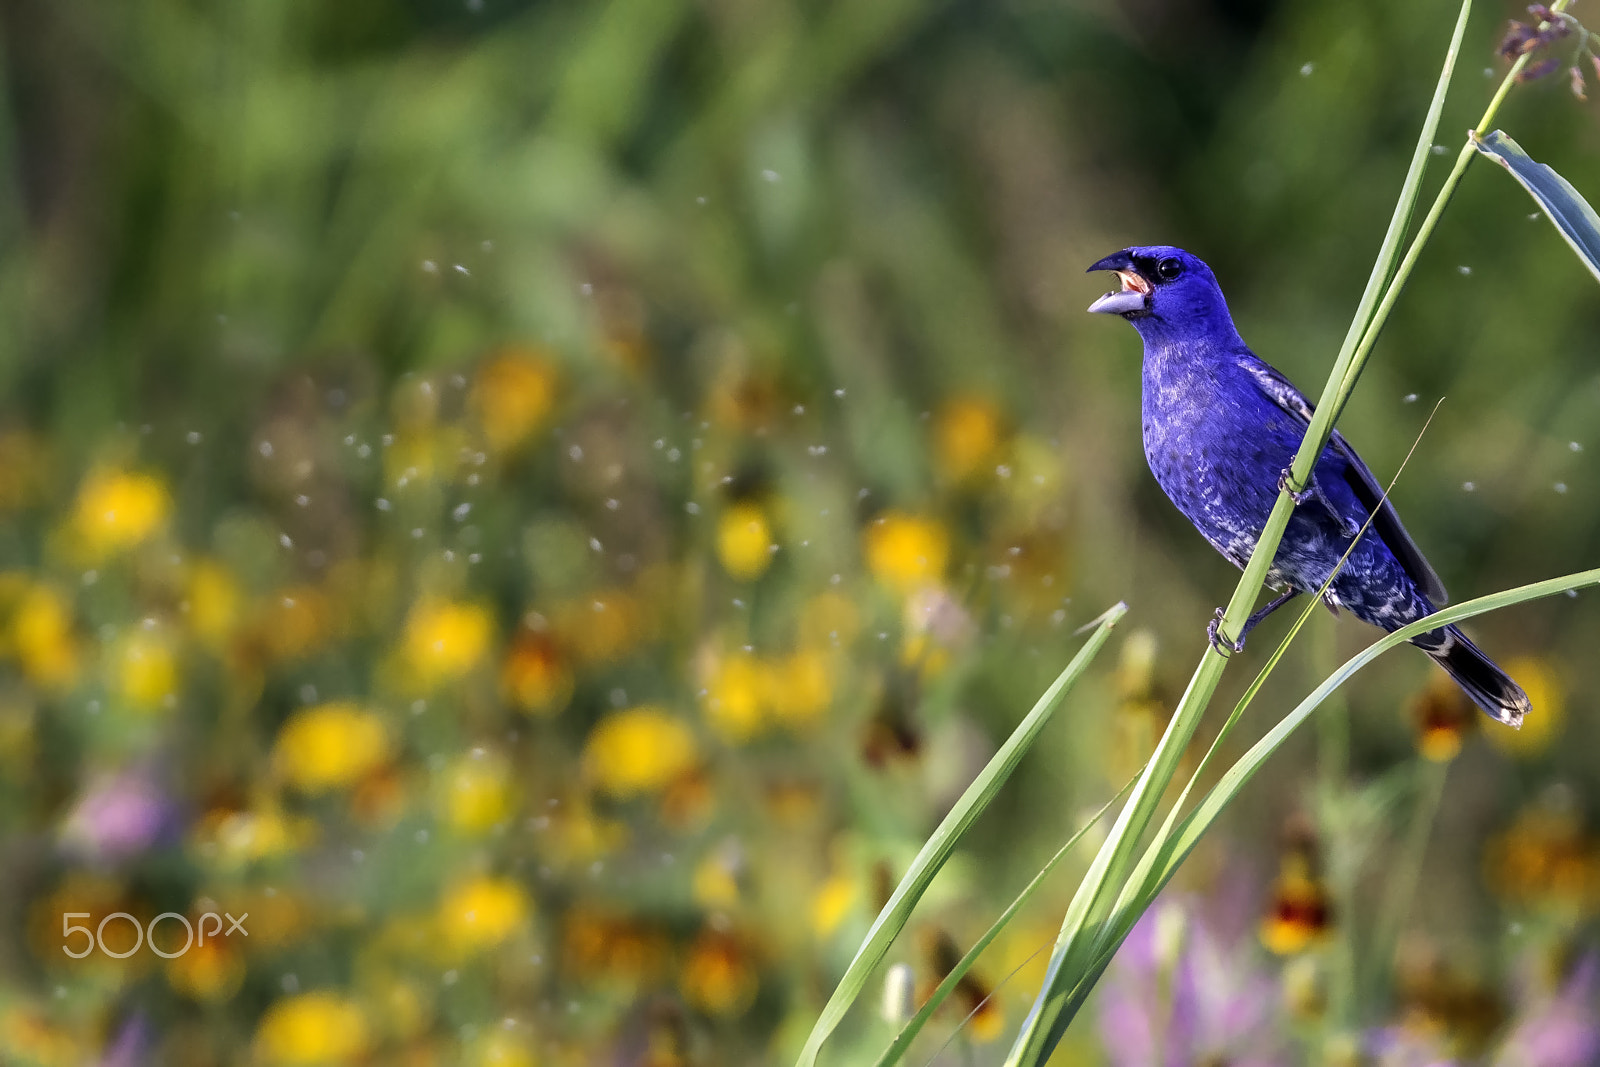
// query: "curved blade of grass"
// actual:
[[1563, 205], [1235, 777], [1194, 826], [908, 1033], [892, 919]]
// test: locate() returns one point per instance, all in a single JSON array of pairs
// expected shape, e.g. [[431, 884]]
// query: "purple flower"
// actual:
[[1178, 995], [1560, 1030], [117, 817], [1403, 1046], [128, 1048]]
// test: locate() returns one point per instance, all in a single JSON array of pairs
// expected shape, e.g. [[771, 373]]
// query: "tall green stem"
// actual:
[[1402, 888]]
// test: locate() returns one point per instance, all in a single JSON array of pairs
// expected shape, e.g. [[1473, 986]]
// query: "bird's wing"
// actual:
[[1361, 481]]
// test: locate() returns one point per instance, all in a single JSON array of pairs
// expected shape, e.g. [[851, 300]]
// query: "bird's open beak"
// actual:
[[1133, 298]]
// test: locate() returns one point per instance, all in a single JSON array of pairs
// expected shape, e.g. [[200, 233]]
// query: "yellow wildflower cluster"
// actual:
[[445, 640], [492, 689], [117, 510], [313, 1029], [482, 913], [38, 631], [514, 394], [476, 793], [330, 746], [907, 552], [1546, 861], [641, 750], [967, 437], [745, 693], [744, 540]]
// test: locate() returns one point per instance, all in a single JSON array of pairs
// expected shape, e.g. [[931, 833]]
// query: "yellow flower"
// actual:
[[445, 640], [1548, 717], [312, 1028], [716, 879], [210, 973], [514, 395], [477, 793], [1546, 860], [29, 1036], [118, 510], [736, 697], [744, 541], [330, 746], [41, 634], [144, 669], [535, 676], [482, 913], [803, 688], [719, 976], [238, 838], [638, 751], [501, 1049], [213, 604], [907, 552], [967, 434], [831, 904], [1298, 914], [1444, 717]]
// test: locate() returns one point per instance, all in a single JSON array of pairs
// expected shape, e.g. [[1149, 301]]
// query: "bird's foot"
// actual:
[[1219, 642], [1283, 487]]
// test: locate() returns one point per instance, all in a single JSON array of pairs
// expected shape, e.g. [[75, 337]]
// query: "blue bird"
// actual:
[[1221, 428]]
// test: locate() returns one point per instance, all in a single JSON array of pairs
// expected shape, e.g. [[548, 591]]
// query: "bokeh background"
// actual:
[[543, 505]]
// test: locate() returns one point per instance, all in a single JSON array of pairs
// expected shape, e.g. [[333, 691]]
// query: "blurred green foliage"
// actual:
[[544, 504]]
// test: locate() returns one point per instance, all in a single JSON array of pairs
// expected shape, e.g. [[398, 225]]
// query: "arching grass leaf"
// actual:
[[1563, 204]]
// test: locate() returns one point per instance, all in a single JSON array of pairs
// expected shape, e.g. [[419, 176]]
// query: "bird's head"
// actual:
[[1165, 291]]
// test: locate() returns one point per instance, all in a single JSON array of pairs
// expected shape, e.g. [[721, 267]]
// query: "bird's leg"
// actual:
[[1214, 631], [1349, 527], [1302, 496]]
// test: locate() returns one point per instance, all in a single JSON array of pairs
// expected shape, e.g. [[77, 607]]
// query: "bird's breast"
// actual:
[[1209, 451]]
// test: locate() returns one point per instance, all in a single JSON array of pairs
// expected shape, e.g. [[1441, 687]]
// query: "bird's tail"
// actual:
[[1489, 687]]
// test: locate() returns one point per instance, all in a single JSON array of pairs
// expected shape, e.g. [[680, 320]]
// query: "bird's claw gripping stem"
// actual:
[[1283, 487], [1218, 641]]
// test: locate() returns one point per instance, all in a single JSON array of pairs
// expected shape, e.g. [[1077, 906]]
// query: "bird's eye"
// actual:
[[1169, 268]]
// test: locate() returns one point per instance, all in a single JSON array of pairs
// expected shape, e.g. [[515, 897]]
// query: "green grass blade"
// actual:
[[1234, 779], [1387, 271], [1193, 827], [1388, 260], [892, 919], [913, 1027], [1563, 205]]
